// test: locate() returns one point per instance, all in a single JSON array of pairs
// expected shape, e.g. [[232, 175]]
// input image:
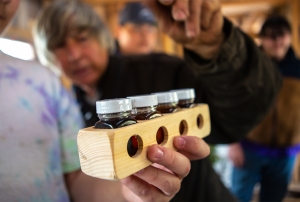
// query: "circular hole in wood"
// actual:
[[183, 127], [162, 136], [134, 146], [200, 121]]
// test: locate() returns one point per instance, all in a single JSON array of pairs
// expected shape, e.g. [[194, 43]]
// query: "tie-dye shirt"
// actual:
[[39, 122]]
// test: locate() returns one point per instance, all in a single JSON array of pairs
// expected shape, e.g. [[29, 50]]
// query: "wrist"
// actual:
[[207, 51]]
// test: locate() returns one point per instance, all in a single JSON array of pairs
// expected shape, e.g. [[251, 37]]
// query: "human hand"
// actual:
[[236, 154], [196, 24], [162, 180]]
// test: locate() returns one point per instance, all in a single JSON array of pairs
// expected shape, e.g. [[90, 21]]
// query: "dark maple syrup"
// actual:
[[144, 107], [167, 102], [186, 97], [116, 113]]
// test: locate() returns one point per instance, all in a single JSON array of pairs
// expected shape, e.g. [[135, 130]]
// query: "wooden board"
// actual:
[[103, 152]]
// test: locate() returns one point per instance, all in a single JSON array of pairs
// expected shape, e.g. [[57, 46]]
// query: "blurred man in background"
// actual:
[[268, 153], [137, 30]]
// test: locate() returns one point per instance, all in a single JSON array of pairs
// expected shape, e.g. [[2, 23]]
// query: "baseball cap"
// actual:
[[136, 13]]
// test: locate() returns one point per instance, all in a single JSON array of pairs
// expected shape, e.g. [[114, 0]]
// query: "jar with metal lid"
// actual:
[[186, 97], [144, 107], [167, 102], [114, 113]]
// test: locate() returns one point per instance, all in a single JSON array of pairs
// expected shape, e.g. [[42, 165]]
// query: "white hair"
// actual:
[[60, 18]]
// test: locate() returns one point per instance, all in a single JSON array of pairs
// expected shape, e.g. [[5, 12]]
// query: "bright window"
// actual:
[[17, 49]]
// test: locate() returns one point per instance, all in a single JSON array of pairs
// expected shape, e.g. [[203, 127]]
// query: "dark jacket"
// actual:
[[290, 65], [239, 86], [280, 128]]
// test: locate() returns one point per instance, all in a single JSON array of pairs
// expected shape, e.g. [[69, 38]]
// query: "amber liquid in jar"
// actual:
[[112, 123], [111, 117], [187, 103], [168, 108], [186, 97], [145, 108], [167, 102], [116, 122], [146, 113]]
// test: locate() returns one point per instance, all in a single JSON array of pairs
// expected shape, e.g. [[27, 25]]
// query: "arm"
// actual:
[[85, 188], [239, 82], [154, 183], [236, 154], [240, 85]]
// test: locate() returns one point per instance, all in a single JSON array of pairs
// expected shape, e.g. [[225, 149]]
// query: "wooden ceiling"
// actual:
[[224, 2], [248, 14]]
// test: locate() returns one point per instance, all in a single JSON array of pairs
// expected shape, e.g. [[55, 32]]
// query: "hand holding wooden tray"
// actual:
[[103, 152]]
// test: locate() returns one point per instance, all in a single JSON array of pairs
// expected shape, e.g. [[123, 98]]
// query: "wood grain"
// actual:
[[103, 152]]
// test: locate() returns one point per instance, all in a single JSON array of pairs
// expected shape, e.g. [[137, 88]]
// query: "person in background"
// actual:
[[276, 38], [223, 64], [137, 30], [38, 150], [268, 153]]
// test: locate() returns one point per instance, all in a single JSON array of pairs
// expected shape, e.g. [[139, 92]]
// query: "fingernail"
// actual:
[[159, 153], [180, 15], [181, 142]]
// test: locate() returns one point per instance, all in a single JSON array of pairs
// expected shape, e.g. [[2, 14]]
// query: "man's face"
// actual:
[[276, 46], [137, 38], [7, 11], [82, 58]]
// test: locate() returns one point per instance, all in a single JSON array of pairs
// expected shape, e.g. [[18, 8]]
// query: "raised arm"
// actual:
[[239, 81]]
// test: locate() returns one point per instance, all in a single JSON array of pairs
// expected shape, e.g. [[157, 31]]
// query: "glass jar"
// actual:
[[186, 97], [114, 113], [144, 107], [167, 102]]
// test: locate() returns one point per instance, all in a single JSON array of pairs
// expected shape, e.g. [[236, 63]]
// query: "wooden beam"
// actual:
[[247, 2], [103, 2], [295, 7], [224, 2]]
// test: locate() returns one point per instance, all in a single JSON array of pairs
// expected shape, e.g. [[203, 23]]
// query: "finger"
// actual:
[[166, 23], [162, 13], [180, 10], [145, 191], [193, 148], [164, 181], [192, 24], [162, 168], [236, 162], [241, 160], [129, 195], [166, 2], [172, 160], [209, 8]]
